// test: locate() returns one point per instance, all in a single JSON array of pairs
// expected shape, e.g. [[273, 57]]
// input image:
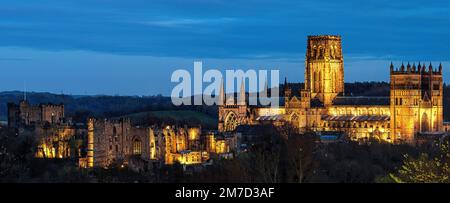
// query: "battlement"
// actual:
[[413, 69], [324, 37], [24, 113]]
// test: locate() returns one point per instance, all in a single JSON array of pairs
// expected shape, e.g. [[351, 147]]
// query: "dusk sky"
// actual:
[[132, 47]]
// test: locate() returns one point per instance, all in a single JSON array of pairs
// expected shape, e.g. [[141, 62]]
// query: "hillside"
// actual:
[[180, 117], [80, 107]]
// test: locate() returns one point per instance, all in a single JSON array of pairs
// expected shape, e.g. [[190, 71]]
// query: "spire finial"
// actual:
[[242, 93], [222, 93]]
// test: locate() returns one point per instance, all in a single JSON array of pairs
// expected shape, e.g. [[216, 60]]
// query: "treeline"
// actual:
[[283, 157], [278, 156], [81, 107]]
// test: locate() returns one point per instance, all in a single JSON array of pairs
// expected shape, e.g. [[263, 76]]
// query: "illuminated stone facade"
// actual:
[[25, 114], [103, 142], [57, 137], [116, 141], [62, 141], [414, 107]]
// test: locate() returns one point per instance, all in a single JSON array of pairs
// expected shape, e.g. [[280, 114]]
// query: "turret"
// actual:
[[287, 89], [242, 94], [222, 94]]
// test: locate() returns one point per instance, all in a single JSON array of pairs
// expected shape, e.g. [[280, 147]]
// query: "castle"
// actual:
[[415, 105], [105, 142], [413, 110], [110, 141], [26, 114]]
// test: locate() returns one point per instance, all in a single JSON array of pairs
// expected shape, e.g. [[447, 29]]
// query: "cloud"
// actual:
[[228, 29], [183, 22]]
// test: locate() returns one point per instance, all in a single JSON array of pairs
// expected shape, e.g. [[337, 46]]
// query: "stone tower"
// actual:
[[90, 147], [234, 109], [324, 73], [416, 101]]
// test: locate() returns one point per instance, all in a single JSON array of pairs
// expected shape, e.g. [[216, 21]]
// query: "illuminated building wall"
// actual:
[[54, 141], [152, 144], [210, 143], [222, 147], [415, 105], [324, 74], [25, 114], [90, 147], [416, 101]]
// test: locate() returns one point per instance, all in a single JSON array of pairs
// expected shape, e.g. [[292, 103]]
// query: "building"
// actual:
[[104, 142], [415, 105], [57, 136], [118, 141], [24, 114]]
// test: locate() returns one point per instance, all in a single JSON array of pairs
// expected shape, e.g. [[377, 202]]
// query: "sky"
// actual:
[[132, 47]]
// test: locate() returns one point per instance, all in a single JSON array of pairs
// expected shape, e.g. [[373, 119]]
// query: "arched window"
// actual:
[[231, 122], [425, 123], [137, 147], [294, 117]]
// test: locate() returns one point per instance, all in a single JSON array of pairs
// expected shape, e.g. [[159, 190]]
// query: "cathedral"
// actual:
[[414, 108]]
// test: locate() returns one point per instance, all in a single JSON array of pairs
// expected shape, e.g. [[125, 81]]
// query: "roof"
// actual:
[[281, 100], [270, 118], [361, 101], [316, 103], [357, 118], [329, 137], [255, 129]]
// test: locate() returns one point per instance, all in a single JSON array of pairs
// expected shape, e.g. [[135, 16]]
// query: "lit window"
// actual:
[[137, 147]]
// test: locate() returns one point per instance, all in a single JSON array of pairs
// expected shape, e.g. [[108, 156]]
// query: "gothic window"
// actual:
[[425, 123], [137, 147], [294, 117], [318, 50], [231, 122], [332, 51], [316, 81], [320, 82]]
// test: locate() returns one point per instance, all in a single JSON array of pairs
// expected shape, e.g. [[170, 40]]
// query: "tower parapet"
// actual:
[[420, 69]]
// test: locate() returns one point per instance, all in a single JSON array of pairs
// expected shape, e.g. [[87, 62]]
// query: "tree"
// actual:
[[425, 168], [300, 163]]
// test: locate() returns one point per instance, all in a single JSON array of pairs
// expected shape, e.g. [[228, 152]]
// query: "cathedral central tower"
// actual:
[[324, 73]]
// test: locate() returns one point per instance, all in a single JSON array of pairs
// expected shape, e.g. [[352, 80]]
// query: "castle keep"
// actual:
[[414, 108], [26, 114]]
